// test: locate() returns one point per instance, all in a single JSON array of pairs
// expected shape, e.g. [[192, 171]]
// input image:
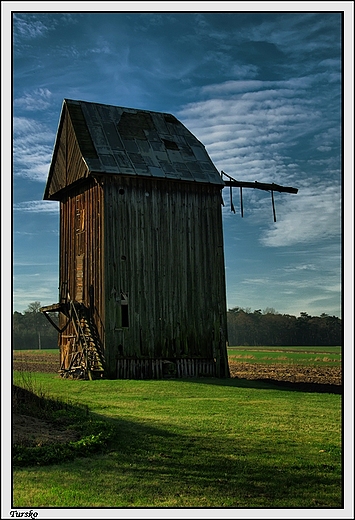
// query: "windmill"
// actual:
[[141, 274]]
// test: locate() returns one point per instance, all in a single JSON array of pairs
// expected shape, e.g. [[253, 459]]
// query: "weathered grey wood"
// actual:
[[144, 255], [170, 244]]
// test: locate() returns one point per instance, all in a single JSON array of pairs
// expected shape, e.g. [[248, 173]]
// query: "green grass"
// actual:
[[195, 443], [314, 356]]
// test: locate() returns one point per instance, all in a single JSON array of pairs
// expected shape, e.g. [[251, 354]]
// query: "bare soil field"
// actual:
[[35, 361], [296, 377], [287, 372]]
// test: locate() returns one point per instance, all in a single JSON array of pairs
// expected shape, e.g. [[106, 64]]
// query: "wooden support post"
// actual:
[[231, 197], [273, 205]]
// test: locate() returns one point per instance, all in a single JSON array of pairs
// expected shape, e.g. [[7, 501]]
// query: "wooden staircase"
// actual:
[[84, 358]]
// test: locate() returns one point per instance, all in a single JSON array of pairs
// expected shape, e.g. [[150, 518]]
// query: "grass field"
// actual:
[[298, 355], [195, 443]]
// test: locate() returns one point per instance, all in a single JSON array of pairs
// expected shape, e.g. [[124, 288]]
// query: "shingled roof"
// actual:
[[126, 141]]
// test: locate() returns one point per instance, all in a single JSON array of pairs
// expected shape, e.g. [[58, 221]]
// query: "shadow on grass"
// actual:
[[149, 466], [268, 384]]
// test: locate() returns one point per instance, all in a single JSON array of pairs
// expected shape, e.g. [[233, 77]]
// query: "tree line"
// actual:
[[31, 329], [270, 328]]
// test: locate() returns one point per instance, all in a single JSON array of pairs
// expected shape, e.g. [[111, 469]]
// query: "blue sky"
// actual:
[[261, 90]]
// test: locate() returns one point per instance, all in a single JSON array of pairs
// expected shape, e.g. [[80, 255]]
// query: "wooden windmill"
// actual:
[[142, 276]]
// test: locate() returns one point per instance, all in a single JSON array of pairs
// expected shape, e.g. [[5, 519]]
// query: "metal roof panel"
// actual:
[[141, 142]]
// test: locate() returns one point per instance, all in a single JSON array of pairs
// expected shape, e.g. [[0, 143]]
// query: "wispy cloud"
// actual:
[[249, 134], [36, 233], [41, 286], [300, 33], [28, 28], [300, 267], [32, 148], [269, 131], [312, 217], [33, 265], [38, 206], [38, 99]]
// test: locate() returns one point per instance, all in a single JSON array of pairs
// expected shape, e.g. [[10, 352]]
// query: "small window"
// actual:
[[170, 145]]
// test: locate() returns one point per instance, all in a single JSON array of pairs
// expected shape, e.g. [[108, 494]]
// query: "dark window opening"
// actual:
[[124, 310], [170, 145]]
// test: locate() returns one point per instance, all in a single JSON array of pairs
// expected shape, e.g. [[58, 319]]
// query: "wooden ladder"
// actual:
[[87, 360]]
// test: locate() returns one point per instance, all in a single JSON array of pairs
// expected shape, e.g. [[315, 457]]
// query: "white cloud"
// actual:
[[310, 216], [32, 149], [253, 131], [29, 29], [34, 264], [300, 267], [38, 99], [256, 281], [41, 288], [324, 148], [29, 26], [246, 133], [38, 206]]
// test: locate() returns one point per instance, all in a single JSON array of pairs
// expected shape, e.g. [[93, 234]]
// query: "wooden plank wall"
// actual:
[[162, 368], [68, 165], [81, 251], [164, 251]]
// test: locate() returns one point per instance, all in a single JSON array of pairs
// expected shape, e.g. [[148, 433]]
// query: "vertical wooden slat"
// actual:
[[177, 316]]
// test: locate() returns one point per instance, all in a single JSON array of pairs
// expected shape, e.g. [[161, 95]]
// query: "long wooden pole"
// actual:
[[258, 185], [261, 186]]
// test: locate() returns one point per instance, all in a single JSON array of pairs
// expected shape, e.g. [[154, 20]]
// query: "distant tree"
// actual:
[[272, 328], [32, 329], [33, 308], [270, 310]]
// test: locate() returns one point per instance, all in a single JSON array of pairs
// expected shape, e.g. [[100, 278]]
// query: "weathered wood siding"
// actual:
[[81, 253], [164, 272], [68, 163], [141, 248]]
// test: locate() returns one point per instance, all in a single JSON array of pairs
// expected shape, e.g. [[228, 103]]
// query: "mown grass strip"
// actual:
[[318, 356], [193, 443]]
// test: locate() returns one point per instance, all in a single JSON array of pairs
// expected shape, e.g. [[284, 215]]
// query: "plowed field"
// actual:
[[297, 377], [36, 361]]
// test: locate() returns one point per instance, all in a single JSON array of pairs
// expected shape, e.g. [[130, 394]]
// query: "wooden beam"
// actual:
[[233, 183], [261, 186]]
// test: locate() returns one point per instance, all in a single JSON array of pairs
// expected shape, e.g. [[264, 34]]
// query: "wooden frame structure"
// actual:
[[141, 246], [142, 276]]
